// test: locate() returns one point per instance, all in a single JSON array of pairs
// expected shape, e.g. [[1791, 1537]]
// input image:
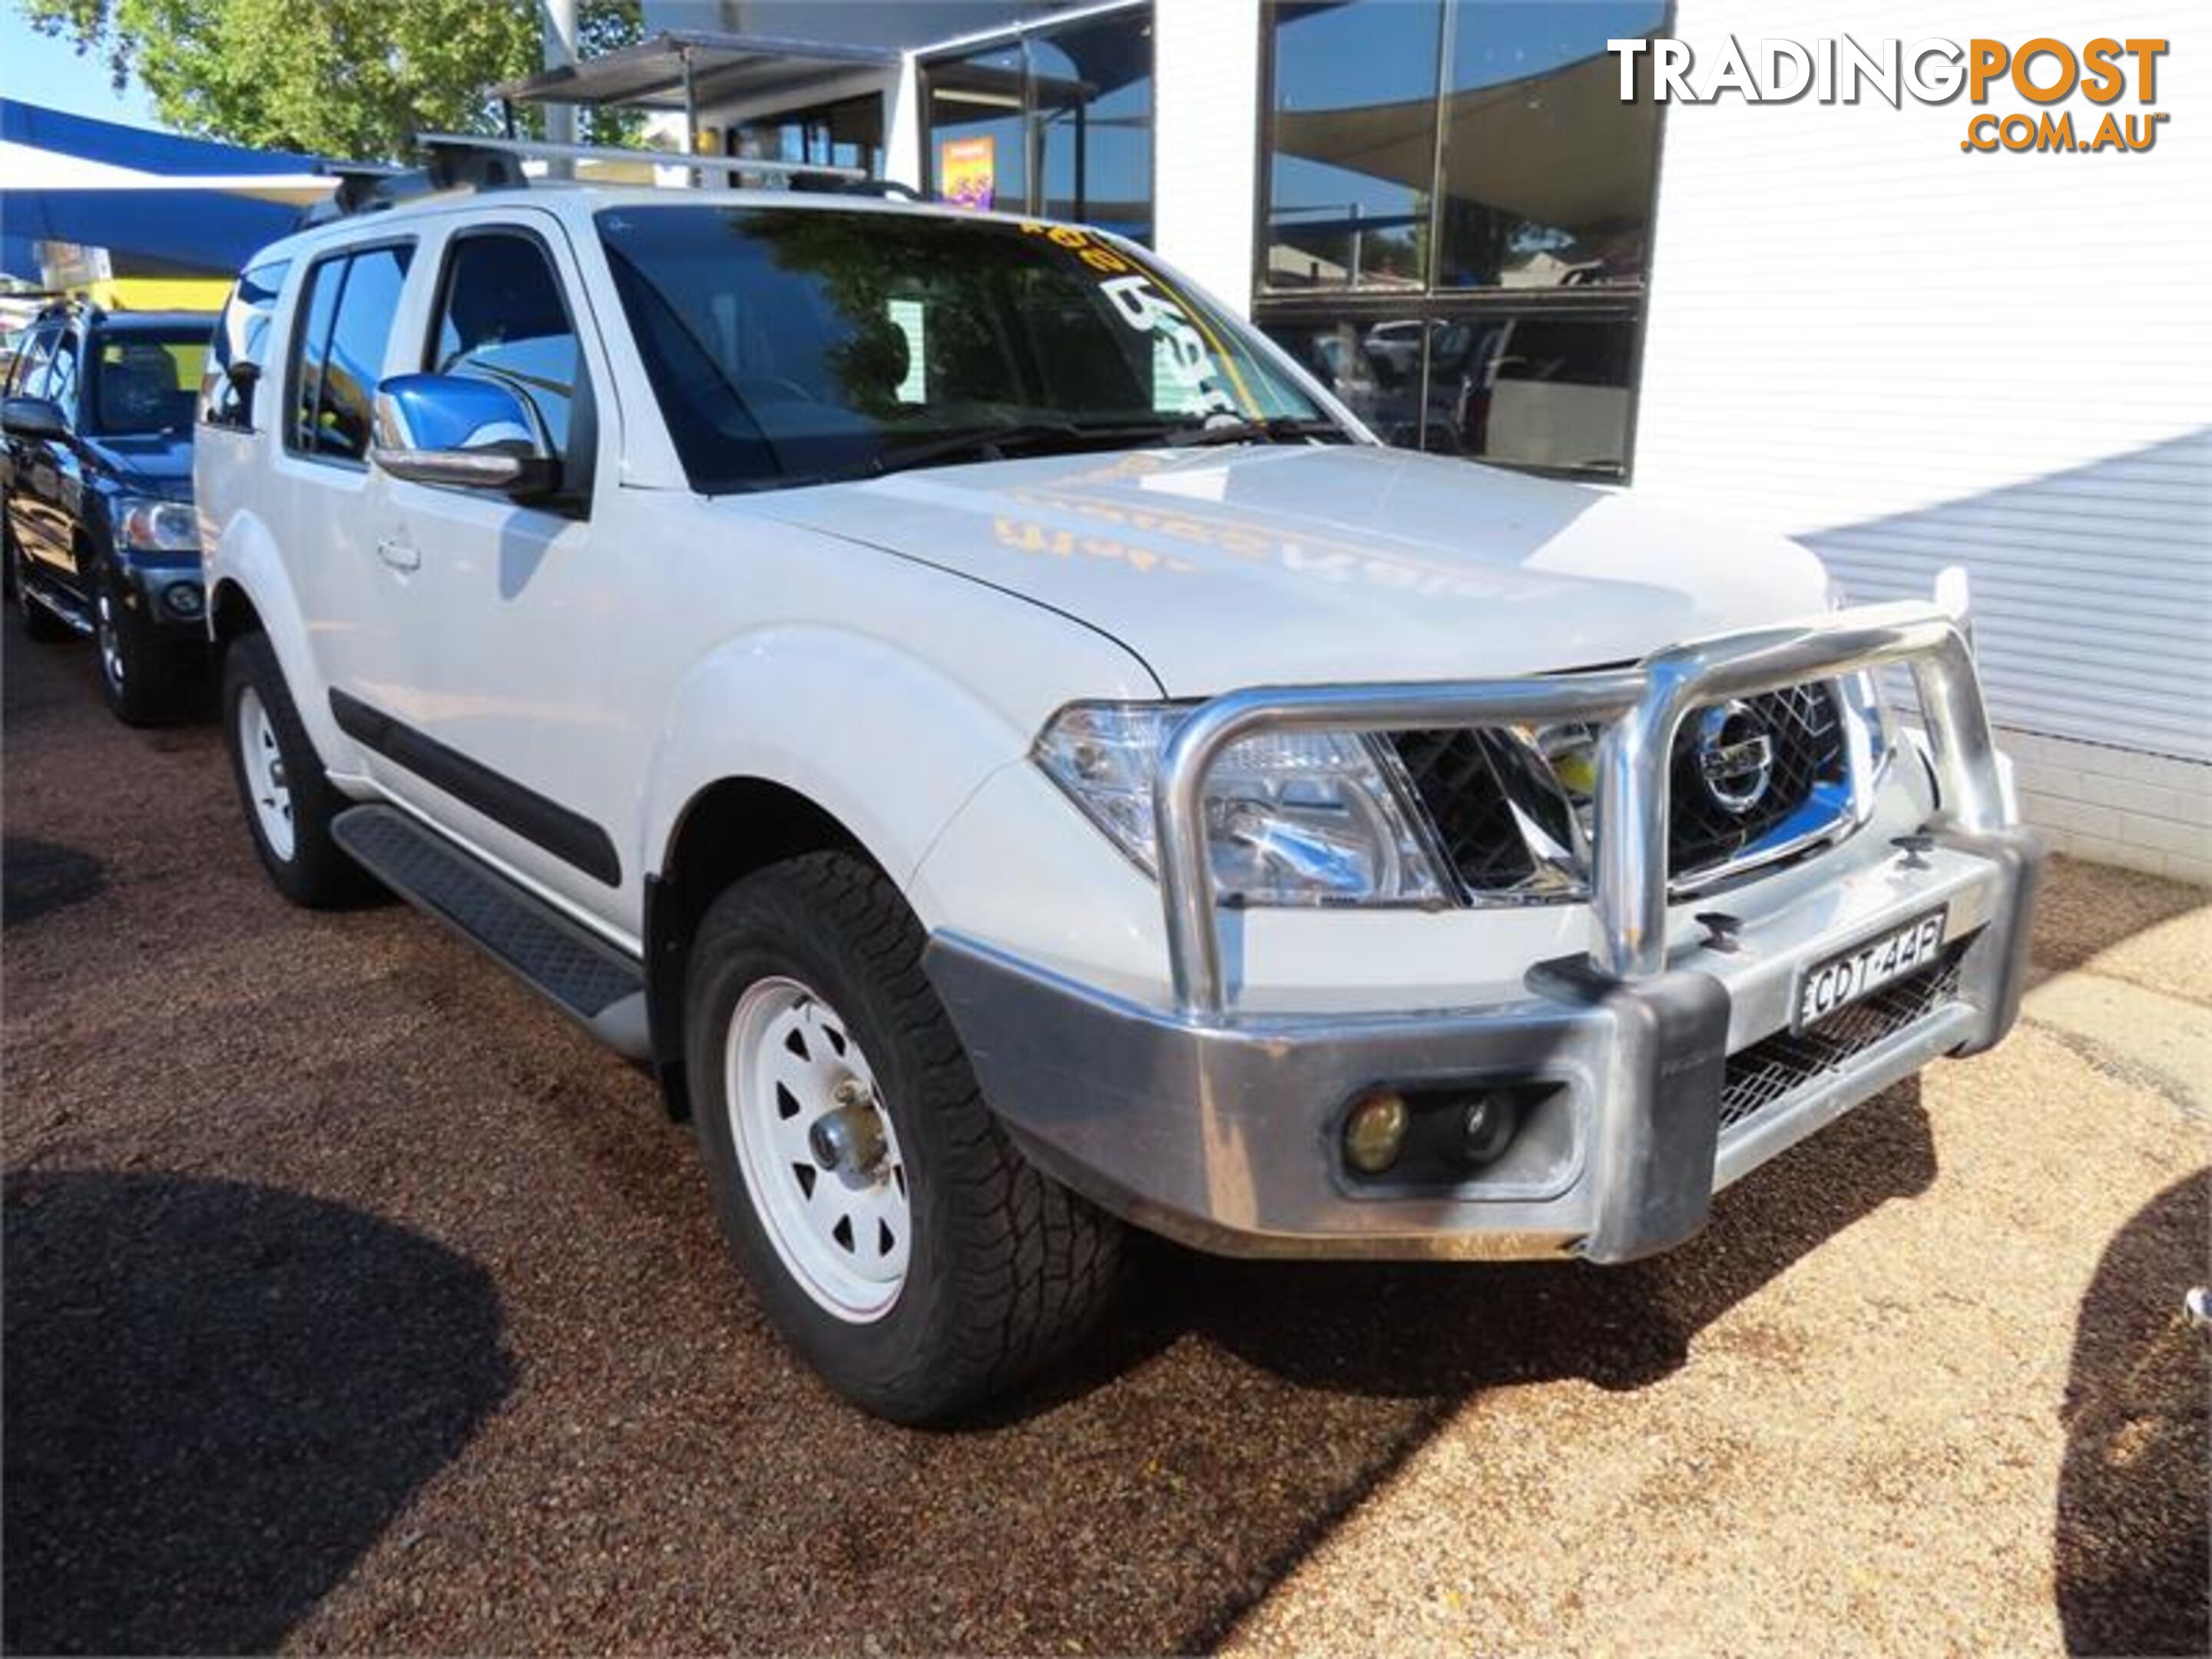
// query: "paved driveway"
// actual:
[[355, 1301]]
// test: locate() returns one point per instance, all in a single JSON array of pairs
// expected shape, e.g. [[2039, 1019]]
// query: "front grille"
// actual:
[[1454, 774], [1807, 732], [1779, 1066], [1493, 800]]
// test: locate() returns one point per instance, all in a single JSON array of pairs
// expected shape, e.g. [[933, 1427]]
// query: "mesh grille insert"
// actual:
[[1780, 1066]]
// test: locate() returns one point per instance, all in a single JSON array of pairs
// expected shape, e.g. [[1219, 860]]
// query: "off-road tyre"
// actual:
[[1006, 1268]]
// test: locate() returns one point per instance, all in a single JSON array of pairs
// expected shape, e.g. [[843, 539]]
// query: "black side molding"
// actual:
[[568, 834]]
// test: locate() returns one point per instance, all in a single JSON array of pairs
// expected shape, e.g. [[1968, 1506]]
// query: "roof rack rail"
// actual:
[[440, 144], [459, 161]]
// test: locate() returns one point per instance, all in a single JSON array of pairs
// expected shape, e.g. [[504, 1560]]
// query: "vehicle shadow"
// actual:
[[2131, 1543], [217, 1396], [1417, 1342]]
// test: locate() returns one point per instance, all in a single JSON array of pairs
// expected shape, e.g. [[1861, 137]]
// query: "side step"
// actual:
[[587, 979]]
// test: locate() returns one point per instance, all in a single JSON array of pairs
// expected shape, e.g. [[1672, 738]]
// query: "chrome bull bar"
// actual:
[[1641, 708]]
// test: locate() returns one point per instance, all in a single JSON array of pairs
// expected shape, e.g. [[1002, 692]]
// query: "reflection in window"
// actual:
[[1546, 392], [1547, 174], [1093, 112], [1459, 215], [1355, 144], [1058, 123], [848, 133]]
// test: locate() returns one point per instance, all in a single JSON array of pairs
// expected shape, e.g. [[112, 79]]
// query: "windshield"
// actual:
[[796, 345], [145, 380]]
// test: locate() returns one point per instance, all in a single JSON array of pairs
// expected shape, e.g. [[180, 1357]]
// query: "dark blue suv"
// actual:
[[95, 476]]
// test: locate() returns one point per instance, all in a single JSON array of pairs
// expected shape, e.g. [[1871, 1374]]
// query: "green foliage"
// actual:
[[343, 78]]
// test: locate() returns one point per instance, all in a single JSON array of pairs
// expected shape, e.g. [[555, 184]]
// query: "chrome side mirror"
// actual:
[[461, 433], [33, 417]]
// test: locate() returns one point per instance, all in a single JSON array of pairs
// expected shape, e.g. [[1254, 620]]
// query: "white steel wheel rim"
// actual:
[[819, 1155], [264, 764], [111, 640]]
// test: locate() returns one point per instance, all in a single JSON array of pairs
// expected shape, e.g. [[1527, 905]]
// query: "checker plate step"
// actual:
[[586, 977]]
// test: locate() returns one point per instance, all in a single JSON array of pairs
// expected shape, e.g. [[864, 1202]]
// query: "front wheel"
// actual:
[[144, 679], [895, 1236]]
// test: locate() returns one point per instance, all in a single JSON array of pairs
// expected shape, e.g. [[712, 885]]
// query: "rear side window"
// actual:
[[30, 373], [346, 322], [61, 375], [241, 338]]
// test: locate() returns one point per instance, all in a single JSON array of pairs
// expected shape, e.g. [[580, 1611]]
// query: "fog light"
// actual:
[[1485, 1127], [1374, 1133], [183, 599]]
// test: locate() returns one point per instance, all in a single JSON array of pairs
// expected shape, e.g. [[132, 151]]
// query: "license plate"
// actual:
[[1839, 980]]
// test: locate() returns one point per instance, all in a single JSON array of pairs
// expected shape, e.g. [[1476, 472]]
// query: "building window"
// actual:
[[1457, 220], [1057, 121], [848, 133]]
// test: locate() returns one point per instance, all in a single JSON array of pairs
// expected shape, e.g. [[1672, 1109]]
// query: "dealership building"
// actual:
[[1835, 319]]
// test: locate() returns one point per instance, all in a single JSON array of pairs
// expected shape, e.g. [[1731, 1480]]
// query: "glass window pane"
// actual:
[[359, 335], [61, 375], [143, 380], [1354, 124], [1374, 368], [240, 336], [1093, 92], [311, 343], [1547, 174], [1550, 392], [503, 319], [31, 368], [976, 148]]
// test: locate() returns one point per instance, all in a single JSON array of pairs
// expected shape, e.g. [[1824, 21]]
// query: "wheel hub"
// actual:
[[849, 1143]]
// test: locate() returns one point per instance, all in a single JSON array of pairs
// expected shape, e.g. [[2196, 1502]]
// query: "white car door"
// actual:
[[507, 727]]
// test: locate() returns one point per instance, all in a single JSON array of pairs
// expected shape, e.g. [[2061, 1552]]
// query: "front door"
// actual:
[[511, 612]]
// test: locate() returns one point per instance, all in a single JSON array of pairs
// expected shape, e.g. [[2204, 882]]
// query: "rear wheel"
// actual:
[[288, 800], [895, 1236]]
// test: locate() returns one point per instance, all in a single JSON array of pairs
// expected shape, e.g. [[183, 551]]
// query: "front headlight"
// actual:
[[148, 525], [1291, 818]]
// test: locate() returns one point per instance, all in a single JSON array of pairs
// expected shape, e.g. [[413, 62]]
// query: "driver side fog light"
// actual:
[[1374, 1131]]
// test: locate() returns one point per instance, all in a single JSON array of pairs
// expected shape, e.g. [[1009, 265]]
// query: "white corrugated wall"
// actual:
[[1909, 356]]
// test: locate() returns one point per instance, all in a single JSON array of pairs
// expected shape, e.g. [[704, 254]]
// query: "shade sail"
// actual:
[[185, 202], [1546, 147]]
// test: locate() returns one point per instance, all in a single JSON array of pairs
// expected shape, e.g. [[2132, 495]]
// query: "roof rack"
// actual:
[[456, 161]]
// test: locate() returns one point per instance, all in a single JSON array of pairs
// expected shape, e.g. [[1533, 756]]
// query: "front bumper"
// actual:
[[1659, 1075], [171, 599]]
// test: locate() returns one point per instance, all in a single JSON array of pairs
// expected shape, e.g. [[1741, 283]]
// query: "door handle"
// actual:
[[399, 553]]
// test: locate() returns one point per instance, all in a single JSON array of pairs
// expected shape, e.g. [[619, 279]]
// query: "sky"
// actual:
[[39, 71]]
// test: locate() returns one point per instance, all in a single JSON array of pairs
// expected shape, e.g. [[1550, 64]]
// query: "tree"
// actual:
[[344, 78]]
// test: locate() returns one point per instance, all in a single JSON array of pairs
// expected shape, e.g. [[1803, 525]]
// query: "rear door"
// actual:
[[46, 489], [341, 331]]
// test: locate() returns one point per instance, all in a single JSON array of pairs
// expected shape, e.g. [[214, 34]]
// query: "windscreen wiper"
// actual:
[[1269, 430], [990, 443]]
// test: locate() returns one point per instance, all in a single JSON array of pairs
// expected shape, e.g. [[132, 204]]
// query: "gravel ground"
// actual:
[[354, 1302]]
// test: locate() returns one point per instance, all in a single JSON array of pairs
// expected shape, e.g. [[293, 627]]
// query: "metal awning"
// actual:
[[685, 68]]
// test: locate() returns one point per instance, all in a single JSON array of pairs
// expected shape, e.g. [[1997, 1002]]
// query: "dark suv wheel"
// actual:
[[145, 678]]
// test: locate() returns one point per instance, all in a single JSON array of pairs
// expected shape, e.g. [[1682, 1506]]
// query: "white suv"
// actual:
[[1014, 755]]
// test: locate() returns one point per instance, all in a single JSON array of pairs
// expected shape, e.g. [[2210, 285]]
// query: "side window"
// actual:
[[240, 338], [311, 343], [61, 374], [350, 302], [501, 317], [31, 366]]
